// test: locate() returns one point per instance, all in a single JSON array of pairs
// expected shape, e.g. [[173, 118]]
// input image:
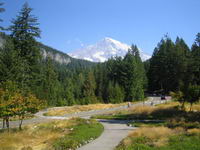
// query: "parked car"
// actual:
[[163, 97]]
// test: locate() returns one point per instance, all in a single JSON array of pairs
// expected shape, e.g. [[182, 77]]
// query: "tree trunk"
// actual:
[[3, 123], [20, 122], [183, 105], [191, 106], [7, 123]]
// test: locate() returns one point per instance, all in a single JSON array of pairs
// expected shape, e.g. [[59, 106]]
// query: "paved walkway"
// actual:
[[114, 132]]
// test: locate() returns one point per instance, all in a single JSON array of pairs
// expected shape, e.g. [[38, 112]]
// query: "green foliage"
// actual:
[[115, 93], [69, 95], [50, 82], [89, 86], [173, 67], [24, 30], [134, 76], [194, 66], [15, 104], [85, 131], [168, 66], [193, 94], [178, 142], [8, 61]]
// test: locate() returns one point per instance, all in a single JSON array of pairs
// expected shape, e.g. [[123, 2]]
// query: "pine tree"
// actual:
[[69, 93], [50, 83], [115, 93], [134, 75], [24, 32], [89, 87], [99, 79], [78, 85], [181, 58], [1, 10], [195, 62], [161, 72], [8, 62]]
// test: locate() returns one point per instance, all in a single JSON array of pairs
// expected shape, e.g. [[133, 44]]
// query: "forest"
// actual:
[[28, 78]]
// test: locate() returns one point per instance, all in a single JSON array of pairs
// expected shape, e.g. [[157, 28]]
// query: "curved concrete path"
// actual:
[[40, 118], [114, 132]]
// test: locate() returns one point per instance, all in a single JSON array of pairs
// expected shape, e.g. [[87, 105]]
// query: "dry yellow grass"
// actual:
[[58, 111], [150, 109], [195, 107], [142, 109], [146, 110], [170, 104], [37, 137], [194, 131], [158, 135]]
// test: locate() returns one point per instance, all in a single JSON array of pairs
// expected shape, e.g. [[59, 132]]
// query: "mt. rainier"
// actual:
[[103, 50]]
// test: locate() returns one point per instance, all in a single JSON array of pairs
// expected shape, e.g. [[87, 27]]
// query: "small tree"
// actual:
[[179, 96], [6, 93], [24, 105], [5, 112], [193, 95]]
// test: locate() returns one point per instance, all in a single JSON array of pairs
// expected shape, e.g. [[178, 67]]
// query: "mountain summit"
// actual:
[[103, 50]]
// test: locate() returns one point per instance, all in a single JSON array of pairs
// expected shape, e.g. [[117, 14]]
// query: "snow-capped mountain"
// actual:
[[103, 50]]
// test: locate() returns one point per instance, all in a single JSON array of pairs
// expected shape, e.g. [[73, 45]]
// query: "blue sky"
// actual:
[[70, 24]]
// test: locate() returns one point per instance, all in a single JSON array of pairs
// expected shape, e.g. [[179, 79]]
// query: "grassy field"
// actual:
[[59, 111], [161, 127], [55, 135], [169, 111], [161, 138]]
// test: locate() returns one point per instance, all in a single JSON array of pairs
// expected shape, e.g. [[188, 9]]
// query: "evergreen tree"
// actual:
[[182, 60], [99, 79], [193, 95], [161, 72], [134, 75], [89, 89], [78, 85], [24, 32], [8, 62], [50, 83], [1, 10], [68, 90], [195, 62], [115, 93]]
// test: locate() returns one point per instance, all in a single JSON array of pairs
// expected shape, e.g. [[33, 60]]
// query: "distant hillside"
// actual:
[[63, 58], [58, 56]]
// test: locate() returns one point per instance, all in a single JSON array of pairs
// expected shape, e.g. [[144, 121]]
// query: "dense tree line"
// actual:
[[118, 80], [173, 67]]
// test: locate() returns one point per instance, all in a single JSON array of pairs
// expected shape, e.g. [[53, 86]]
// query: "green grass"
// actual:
[[54, 135], [178, 142], [81, 134], [174, 120]]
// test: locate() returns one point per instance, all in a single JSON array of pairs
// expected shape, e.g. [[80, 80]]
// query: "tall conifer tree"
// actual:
[[24, 32]]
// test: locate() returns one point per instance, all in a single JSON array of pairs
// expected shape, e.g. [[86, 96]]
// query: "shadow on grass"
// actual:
[[170, 116], [160, 114]]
